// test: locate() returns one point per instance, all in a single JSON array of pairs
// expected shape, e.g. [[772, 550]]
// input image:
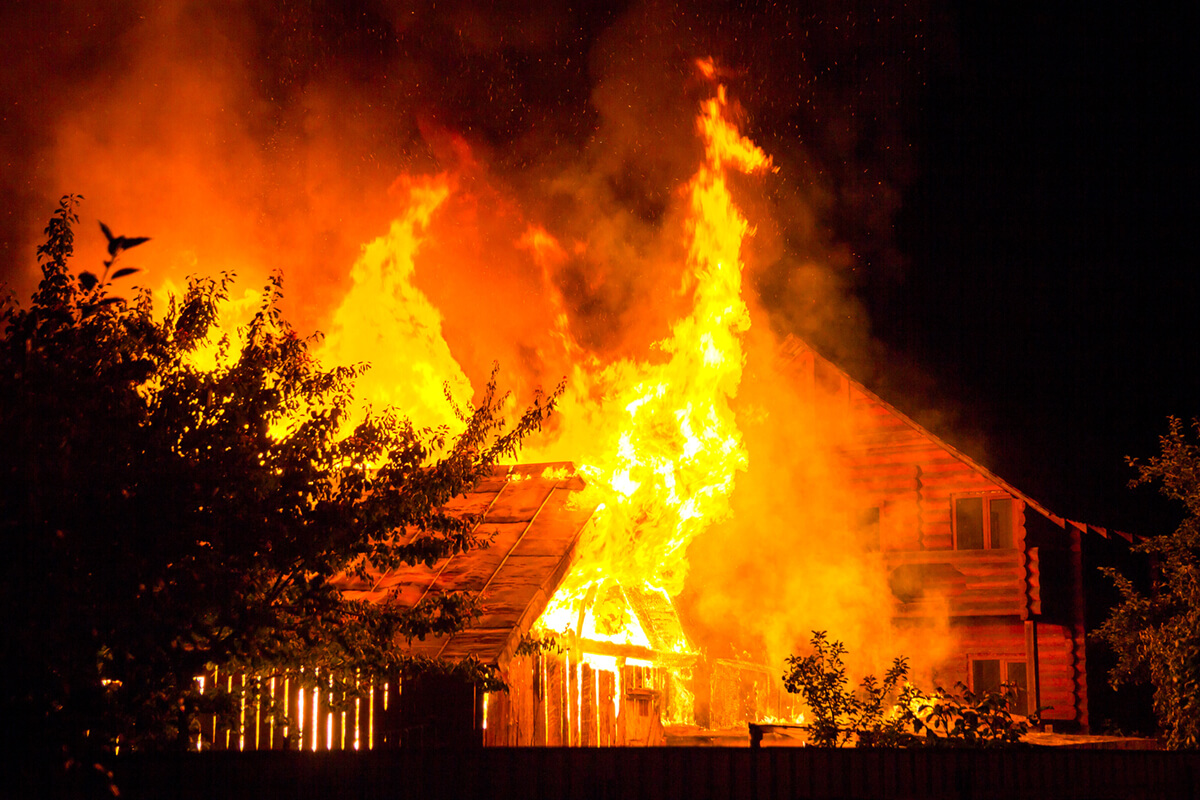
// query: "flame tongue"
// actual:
[[666, 469], [385, 320]]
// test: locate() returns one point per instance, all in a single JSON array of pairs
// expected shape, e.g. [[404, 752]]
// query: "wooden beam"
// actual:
[[660, 658]]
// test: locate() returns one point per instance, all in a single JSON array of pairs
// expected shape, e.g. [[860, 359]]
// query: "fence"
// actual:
[[296, 712], [665, 772]]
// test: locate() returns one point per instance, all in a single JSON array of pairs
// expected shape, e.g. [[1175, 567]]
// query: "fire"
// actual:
[[656, 439], [655, 436], [665, 464], [386, 321], [662, 445]]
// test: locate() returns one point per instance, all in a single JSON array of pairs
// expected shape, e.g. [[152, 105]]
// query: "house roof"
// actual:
[[791, 348], [534, 516]]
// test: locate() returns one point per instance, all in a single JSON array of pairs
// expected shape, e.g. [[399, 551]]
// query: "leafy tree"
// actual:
[[159, 518], [839, 715], [1156, 636], [879, 716], [966, 719]]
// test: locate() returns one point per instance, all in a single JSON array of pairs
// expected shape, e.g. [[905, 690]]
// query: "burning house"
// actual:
[[704, 497], [954, 541]]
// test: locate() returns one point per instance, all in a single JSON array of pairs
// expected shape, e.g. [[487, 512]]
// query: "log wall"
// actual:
[[913, 478]]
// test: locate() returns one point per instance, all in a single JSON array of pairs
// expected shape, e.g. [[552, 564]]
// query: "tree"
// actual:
[[159, 518], [839, 715], [880, 716], [1156, 636]]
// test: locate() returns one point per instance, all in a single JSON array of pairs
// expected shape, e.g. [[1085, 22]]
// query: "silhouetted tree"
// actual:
[[1156, 636], [159, 518]]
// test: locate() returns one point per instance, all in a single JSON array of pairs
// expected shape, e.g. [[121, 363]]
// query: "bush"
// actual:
[[878, 716]]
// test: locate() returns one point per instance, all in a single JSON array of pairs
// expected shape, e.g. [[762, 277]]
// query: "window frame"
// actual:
[[1005, 661], [987, 498]]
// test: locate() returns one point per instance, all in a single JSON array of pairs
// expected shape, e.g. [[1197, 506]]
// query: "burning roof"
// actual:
[[535, 517]]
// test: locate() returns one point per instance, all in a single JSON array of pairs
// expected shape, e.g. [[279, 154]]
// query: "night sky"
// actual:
[[1007, 189], [1052, 283]]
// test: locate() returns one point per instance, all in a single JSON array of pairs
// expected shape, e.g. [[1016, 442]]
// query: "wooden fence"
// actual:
[[297, 712], [667, 772]]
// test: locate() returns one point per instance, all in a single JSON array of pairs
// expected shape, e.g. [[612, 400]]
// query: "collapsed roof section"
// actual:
[[534, 515]]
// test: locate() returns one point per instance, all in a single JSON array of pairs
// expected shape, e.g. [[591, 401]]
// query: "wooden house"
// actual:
[[956, 541]]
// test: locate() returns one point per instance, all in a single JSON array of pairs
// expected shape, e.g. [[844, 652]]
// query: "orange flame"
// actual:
[[664, 463], [386, 321]]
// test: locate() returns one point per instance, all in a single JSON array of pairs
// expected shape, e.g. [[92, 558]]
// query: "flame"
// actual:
[[387, 322], [654, 435], [667, 446]]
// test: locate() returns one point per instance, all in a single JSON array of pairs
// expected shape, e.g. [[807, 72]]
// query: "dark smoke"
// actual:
[[306, 111]]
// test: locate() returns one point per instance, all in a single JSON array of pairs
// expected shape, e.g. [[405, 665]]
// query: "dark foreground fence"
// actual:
[[692, 773]]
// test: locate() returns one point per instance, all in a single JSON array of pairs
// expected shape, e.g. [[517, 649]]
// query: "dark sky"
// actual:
[[1052, 283], [1007, 188]]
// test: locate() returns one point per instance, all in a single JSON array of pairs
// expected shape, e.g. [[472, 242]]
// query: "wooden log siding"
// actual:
[[302, 717], [1059, 671], [913, 477], [1007, 642], [958, 582]]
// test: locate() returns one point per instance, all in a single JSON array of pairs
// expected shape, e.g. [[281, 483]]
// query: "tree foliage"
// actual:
[[839, 714], [160, 518], [964, 718], [1156, 636], [878, 715]]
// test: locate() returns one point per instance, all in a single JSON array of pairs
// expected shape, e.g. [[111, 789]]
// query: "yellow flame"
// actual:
[[387, 322], [666, 462]]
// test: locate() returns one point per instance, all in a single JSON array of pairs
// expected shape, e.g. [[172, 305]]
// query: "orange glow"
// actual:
[[664, 458], [671, 401], [387, 322]]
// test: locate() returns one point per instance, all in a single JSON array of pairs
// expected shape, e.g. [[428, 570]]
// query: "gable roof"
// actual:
[[792, 348], [534, 516]]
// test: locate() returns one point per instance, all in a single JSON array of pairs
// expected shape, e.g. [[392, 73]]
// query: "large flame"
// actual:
[[469, 271], [387, 322], [667, 444], [657, 439]]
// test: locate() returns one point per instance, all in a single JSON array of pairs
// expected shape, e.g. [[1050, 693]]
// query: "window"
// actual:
[[988, 673], [983, 522]]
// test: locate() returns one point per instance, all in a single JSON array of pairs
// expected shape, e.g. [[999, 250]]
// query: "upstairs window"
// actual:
[[983, 522]]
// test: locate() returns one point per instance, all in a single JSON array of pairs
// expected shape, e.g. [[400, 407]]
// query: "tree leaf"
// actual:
[[121, 273], [87, 280], [112, 240]]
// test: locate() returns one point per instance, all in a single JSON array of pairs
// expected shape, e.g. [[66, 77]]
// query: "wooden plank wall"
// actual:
[[286, 713], [1058, 670], [963, 582], [744, 692], [912, 479], [559, 702]]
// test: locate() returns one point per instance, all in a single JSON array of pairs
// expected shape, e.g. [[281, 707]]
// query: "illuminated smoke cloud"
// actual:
[[260, 136]]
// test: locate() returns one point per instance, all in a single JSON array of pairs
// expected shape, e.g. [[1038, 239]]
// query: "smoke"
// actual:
[[791, 558], [253, 136]]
